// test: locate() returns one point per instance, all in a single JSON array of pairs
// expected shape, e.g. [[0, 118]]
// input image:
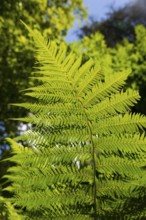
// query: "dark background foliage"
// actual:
[[118, 24]]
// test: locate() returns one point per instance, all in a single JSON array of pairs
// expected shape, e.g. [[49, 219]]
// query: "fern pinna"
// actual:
[[84, 157]]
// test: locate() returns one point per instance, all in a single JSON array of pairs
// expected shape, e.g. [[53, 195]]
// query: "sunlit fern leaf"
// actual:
[[84, 157], [7, 210]]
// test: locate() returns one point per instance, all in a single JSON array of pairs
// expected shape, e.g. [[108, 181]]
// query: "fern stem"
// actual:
[[94, 171], [92, 146], [93, 160]]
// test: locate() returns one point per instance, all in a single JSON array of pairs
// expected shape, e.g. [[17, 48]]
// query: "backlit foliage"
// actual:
[[84, 157]]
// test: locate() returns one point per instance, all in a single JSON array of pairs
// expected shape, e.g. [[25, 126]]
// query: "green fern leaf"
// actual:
[[84, 157]]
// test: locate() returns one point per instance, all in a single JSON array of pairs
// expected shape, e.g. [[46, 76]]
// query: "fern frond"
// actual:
[[7, 210], [84, 157], [102, 90], [120, 124], [119, 103]]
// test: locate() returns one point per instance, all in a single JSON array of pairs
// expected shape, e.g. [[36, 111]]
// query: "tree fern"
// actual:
[[84, 157]]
